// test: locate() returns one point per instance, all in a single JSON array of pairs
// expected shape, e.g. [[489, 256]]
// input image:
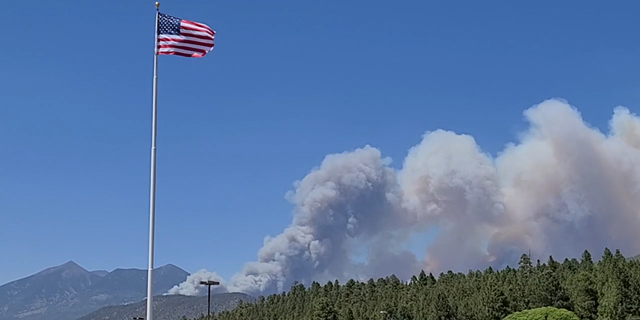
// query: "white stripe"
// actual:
[[178, 38], [197, 33], [207, 29], [205, 41], [188, 45], [179, 51]]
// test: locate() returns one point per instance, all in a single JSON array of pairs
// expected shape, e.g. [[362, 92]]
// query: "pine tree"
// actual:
[[610, 304], [584, 296], [323, 310]]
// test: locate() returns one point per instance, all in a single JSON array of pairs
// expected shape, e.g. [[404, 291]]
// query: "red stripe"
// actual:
[[198, 24], [193, 55], [196, 36], [188, 27], [181, 47], [200, 32], [185, 41]]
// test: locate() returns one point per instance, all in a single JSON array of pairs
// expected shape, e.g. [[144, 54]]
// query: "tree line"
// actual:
[[606, 290]]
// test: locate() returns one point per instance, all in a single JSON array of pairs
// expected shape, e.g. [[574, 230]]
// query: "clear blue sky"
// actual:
[[287, 83]]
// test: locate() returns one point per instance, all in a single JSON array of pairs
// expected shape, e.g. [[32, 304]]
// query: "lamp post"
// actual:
[[209, 283]]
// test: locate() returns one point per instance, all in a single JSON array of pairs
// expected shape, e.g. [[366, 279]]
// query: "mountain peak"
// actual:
[[171, 269], [169, 266], [67, 267], [70, 264]]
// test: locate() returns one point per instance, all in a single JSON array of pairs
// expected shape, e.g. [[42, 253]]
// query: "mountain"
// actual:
[[100, 273], [68, 291], [171, 307], [54, 288], [130, 285]]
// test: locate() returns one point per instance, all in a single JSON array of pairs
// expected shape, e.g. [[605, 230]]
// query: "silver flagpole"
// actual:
[[152, 185]]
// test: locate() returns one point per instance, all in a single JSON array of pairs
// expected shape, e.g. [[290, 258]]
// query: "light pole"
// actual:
[[209, 283]]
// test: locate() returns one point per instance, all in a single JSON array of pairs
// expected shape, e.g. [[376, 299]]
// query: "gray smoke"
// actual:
[[564, 187], [192, 286], [351, 195]]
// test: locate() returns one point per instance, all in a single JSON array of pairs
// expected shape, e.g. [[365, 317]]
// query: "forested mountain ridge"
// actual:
[[606, 290], [68, 291], [171, 307]]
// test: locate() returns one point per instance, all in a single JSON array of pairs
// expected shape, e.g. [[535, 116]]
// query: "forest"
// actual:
[[608, 289]]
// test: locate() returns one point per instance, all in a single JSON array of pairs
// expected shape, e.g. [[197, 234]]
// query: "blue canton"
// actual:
[[168, 24]]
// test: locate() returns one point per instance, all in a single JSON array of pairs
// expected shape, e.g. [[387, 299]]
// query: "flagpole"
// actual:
[[152, 184]]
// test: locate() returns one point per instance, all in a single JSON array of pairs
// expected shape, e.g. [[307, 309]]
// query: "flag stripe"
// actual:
[[172, 41], [180, 52], [198, 24], [176, 52], [204, 42], [183, 38], [187, 26], [165, 48], [198, 35]]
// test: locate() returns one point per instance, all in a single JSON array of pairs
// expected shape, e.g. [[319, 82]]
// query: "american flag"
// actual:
[[183, 38]]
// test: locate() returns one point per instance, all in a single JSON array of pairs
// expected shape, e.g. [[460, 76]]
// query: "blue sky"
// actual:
[[287, 83]]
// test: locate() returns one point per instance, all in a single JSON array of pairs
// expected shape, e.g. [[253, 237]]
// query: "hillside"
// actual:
[[171, 307], [68, 291], [607, 289]]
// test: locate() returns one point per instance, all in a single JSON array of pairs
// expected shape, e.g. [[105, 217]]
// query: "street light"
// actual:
[[138, 318], [209, 283]]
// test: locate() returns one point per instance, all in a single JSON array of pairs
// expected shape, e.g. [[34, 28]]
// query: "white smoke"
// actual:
[[350, 196], [192, 286], [564, 187]]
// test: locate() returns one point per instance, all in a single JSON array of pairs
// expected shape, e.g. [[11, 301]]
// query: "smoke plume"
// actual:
[[192, 286], [562, 188]]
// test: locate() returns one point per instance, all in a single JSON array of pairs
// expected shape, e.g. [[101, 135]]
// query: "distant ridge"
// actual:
[[68, 291], [68, 268], [171, 307], [100, 273]]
